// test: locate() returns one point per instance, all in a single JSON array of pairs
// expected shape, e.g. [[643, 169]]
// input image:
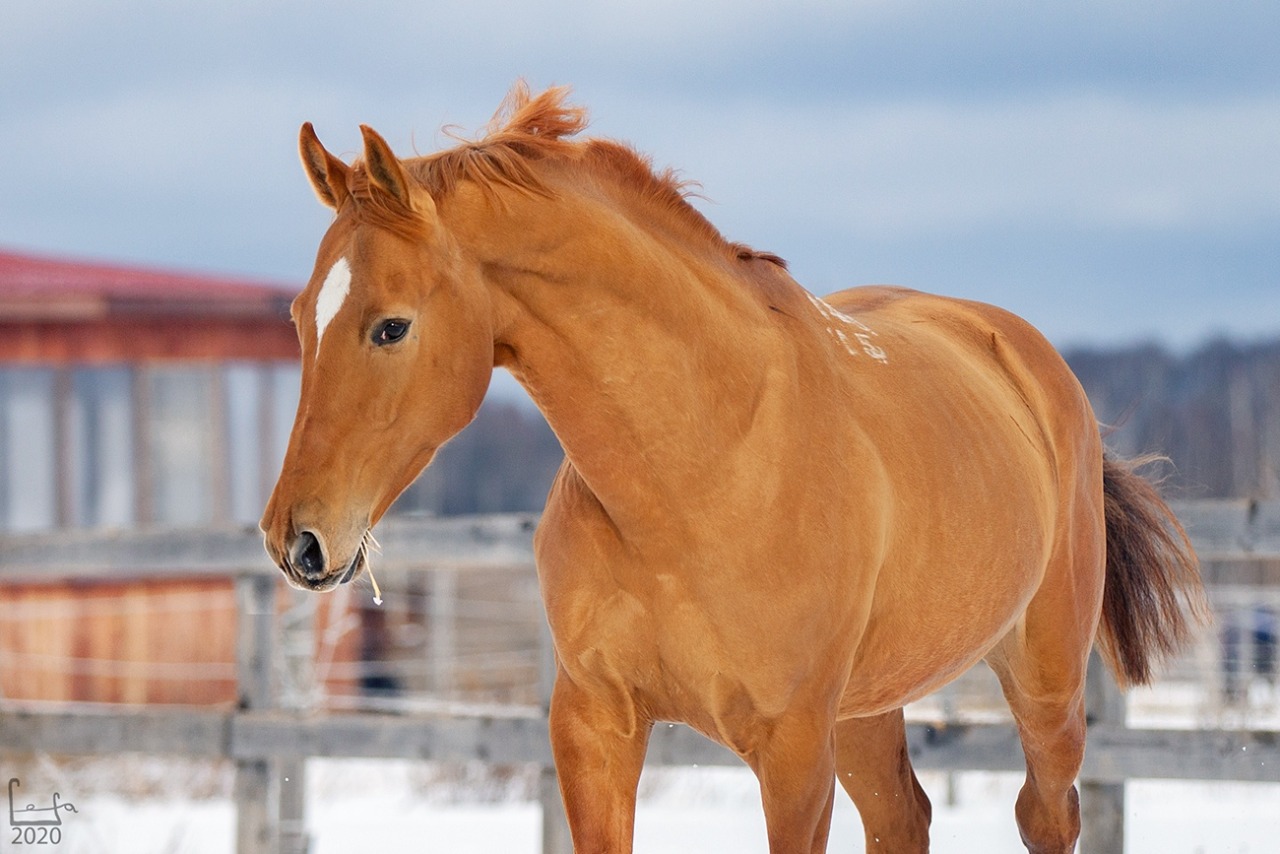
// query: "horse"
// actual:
[[780, 518]]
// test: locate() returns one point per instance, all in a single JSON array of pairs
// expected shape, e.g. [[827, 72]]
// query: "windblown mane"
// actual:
[[527, 129], [524, 129]]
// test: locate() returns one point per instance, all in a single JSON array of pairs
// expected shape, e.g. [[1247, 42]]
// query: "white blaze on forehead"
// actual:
[[332, 294]]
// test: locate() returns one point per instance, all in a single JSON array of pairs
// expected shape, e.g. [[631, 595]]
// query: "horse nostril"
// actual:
[[307, 555]]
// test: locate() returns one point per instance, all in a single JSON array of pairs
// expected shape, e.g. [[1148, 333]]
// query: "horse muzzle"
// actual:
[[307, 566]]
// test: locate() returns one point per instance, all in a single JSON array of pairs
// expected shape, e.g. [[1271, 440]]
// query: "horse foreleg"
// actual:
[[795, 764], [599, 747], [873, 766]]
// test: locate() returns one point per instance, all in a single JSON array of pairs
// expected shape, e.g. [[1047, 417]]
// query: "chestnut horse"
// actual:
[[780, 518]]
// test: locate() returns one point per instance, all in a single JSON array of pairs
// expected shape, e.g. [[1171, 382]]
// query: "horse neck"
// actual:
[[646, 353]]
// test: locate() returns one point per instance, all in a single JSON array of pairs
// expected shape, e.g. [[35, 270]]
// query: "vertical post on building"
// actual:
[[1102, 803], [256, 792], [143, 465], [219, 444], [555, 827], [65, 459], [268, 464]]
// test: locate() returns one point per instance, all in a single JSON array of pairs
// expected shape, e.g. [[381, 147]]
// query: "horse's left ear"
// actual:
[[387, 174]]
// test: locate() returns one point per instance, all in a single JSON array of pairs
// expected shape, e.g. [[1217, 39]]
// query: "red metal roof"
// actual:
[[58, 311], [35, 287]]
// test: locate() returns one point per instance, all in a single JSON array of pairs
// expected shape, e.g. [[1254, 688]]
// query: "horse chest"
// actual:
[[637, 636], [687, 629], [678, 655]]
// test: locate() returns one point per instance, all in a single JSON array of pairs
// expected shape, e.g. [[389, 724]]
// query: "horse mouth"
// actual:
[[323, 584], [306, 568], [353, 569]]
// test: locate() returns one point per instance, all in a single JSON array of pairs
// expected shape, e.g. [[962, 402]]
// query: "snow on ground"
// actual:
[[400, 806], [368, 806]]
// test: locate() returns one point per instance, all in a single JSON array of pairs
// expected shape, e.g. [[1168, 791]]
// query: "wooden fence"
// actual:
[[268, 736]]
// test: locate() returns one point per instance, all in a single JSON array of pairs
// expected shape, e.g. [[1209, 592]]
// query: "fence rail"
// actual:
[[266, 740], [1115, 753]]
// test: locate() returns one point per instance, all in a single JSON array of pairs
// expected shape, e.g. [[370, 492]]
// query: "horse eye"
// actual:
[[389, 331]]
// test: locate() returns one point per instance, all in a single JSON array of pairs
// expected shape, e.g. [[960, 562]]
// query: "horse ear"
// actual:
[[386, 173], [328, 174]]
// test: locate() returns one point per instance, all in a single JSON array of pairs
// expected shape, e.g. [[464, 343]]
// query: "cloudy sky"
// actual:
[[1111, 171]]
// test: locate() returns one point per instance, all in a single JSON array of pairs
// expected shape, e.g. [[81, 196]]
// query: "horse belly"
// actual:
[[931, 621], [885, 680]]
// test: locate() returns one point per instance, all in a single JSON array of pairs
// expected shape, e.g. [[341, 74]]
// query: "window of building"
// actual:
[[122, 445]]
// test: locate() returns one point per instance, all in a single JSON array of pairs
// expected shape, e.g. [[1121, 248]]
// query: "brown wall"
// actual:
[[120, 339], [153, 641]]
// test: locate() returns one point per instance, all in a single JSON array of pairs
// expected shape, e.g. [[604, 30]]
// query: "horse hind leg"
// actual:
[[1041, 665], [1052, 731], [874, 768]]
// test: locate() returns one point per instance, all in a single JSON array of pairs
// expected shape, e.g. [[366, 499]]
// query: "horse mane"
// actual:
[[530, 128], [525, 129]]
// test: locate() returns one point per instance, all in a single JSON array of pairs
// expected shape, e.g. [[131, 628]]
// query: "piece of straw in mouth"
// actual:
[[370, 546]]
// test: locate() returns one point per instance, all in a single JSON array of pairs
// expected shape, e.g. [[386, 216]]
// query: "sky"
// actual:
[[1110, 171]]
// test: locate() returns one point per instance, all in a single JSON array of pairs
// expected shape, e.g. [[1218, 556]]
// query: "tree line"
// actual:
[[1214, 412]]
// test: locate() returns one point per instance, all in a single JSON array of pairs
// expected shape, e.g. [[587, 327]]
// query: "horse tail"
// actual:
[[1153, 598]]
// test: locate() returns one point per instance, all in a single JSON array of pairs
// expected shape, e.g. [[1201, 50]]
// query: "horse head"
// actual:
[[397, 352]]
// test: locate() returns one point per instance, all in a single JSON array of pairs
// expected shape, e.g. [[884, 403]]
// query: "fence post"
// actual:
[[555, 827], [442, 602], [297, 691], [292, 827], [1102, 804], [255, 801]]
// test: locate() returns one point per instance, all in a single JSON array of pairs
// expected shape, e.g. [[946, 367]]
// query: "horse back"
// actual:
[[978, 345]]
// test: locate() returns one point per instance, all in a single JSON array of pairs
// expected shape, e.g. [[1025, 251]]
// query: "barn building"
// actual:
[[133, 398], [145, 399]]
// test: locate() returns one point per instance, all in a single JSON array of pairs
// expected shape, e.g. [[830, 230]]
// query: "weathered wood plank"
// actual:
[[257, 801], [556, 836], [256, 820], [496, 540], [1226, 529], [1220, 529], [487, 739], [87, 554], [292, 829], [961, 747], [95, 731], [1114, 754], [1102, 803], [256, 611]]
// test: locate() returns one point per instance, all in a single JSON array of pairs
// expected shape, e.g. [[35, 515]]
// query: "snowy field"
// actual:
[[383, 807], [143, 805]]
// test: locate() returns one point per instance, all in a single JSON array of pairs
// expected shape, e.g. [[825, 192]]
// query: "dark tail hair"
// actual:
[[1153, 598]]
